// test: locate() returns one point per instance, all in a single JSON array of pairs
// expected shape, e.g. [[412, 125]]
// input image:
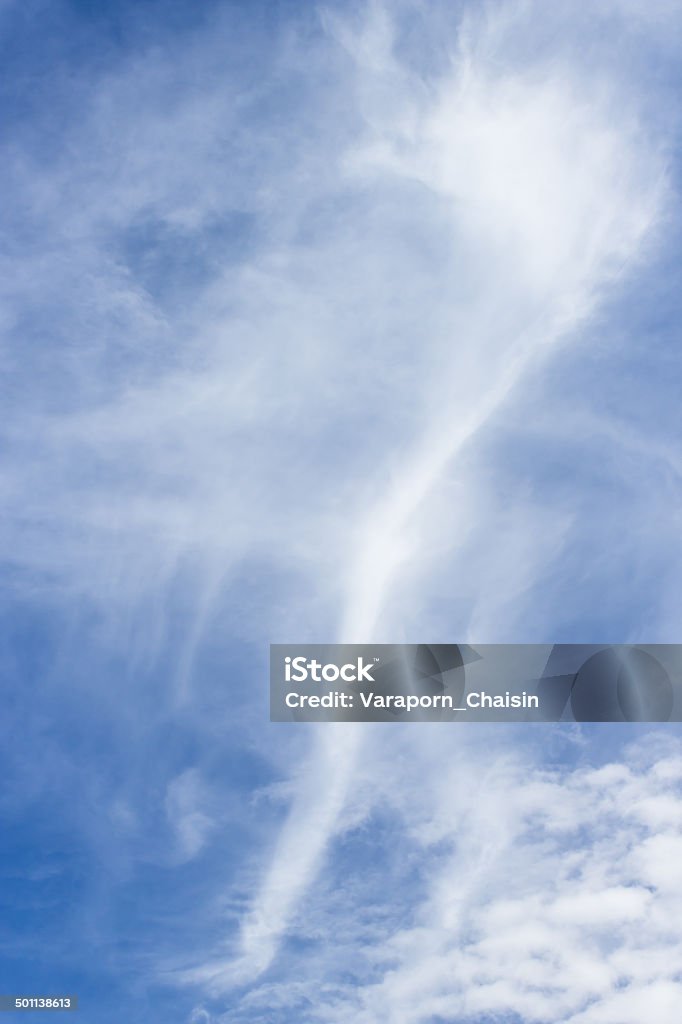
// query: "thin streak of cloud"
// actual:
[[554, 200]]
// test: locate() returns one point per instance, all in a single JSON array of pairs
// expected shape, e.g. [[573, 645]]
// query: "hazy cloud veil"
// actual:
[[350, 321]]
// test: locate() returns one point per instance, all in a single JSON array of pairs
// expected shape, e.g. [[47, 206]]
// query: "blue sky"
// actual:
[[356, 322]]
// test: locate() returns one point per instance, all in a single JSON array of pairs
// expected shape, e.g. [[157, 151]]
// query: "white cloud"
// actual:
[[307, 407], [540, 894], [186, 809], [546, 192]]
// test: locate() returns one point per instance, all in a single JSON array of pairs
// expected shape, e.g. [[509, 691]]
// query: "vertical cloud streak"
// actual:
[[550, 200]]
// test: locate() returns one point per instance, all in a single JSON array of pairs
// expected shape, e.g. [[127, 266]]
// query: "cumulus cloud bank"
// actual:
[[513, 891]]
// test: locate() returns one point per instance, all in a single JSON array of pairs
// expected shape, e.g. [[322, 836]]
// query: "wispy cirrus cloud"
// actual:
[[287, 304], [544, 200]]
